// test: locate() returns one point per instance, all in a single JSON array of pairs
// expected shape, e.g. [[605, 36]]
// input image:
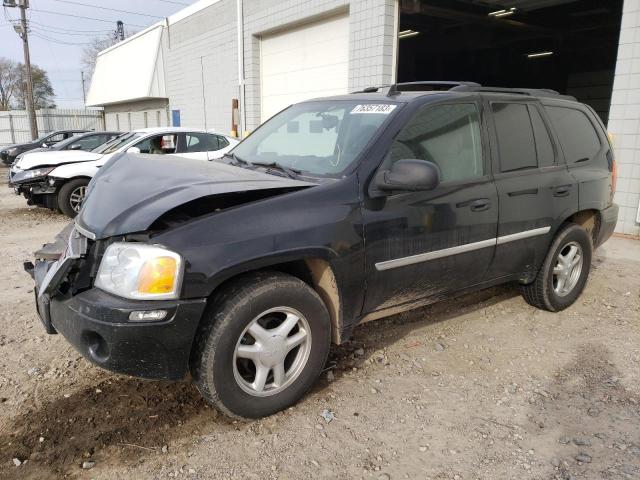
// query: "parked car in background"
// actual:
[[334, 212], [59, 180], [83, 141], [9, 154]]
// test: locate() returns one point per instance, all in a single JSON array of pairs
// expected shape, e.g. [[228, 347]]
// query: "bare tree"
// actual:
[[13, 86], [9, 82]]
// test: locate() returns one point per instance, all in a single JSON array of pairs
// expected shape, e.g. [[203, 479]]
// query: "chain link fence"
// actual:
[[14, 124]]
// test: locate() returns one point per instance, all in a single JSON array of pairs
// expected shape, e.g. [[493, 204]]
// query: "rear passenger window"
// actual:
[[544, 147], [447, 135], [577, 135], [222, 142], [516, 143]]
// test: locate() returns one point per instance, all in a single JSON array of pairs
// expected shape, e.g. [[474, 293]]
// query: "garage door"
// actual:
[[305, 62]]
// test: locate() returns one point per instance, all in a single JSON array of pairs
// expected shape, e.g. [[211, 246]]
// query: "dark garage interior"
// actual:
[[566, 45]]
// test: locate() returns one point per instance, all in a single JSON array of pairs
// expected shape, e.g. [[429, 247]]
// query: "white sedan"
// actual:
[[58, 180]]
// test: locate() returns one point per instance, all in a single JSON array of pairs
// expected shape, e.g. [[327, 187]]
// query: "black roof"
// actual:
[[400, 91]]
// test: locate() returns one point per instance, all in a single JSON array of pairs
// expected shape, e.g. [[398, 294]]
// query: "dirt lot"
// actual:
[[483, 387]]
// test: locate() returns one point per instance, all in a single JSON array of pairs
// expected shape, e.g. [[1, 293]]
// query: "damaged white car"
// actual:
[[58, 180]]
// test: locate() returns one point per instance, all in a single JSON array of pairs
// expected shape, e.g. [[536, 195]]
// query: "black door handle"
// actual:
[[480, 205], [528, 191], [562, 191], [477, 205]]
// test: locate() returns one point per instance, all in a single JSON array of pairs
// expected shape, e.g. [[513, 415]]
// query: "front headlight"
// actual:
[[140, 272], [25, 175], [11, 151]]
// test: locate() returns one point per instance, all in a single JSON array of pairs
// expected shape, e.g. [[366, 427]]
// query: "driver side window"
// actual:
[[447, 135], [55, 139], [158, 144]]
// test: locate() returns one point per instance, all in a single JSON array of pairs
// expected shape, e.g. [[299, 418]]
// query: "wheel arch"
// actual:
[[313, 269], [589, 219]]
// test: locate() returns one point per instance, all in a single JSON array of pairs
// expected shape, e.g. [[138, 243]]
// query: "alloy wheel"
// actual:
[[272, 351], [568, 268], [77, 197]]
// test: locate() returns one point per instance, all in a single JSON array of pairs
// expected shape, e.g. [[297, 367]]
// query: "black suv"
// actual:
[[334, 212]]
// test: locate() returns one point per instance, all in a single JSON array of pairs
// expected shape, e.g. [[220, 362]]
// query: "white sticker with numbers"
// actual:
[[383, 108]]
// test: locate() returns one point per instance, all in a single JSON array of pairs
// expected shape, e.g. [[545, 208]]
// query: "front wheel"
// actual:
[[264, 342], [564, 273], [71, 196]]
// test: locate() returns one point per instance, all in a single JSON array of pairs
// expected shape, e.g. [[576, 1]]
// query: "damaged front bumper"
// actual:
[[98, 324], [38, 192]]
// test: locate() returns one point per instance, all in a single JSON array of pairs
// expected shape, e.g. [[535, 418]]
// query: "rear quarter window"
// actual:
[[577, 135]]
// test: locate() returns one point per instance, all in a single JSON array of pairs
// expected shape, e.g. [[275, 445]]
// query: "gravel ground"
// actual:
[[481, 387]]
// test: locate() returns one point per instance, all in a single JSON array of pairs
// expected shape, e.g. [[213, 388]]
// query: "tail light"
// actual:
[[613, 168], [614, 176]]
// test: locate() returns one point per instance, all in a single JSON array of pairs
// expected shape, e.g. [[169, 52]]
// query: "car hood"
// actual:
[[50, 158], [132, 191], [39, 149]]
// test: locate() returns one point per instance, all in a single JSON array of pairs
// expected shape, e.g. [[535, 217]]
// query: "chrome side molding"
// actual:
[[467, 247], [522, 235]]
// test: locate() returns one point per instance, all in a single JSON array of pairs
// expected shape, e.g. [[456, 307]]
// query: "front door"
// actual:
[[423, 244]]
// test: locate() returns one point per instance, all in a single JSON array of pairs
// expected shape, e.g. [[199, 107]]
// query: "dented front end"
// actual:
[[147, 338], [105, 328]]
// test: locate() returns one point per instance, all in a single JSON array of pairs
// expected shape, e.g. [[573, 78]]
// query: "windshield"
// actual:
[[60, 145], [318, 138], [43, 138], [117, 142]]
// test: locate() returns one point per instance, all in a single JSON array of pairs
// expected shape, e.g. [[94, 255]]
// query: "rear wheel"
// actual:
[[264, 341], [564, 272], [71, 196]]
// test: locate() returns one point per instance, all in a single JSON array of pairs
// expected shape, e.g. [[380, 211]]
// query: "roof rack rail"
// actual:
[[534, 92], [427, 86], [424, 86]]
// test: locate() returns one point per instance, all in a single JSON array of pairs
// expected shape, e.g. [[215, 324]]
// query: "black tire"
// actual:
[[541, 293], [65, 203], [228, 315]]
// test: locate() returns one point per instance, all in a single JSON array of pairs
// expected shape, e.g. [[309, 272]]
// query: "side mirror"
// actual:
[[409, 175], [75, 146], [45, 145], [133, 150]]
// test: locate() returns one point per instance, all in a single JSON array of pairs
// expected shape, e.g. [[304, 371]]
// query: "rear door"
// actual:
[[422, 244], [587, 152], [535, 187]]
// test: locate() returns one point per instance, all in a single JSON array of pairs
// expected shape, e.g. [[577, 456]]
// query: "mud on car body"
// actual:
[[335, 211]]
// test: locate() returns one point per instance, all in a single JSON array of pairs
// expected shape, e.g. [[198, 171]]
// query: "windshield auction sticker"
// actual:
[[383, 108]]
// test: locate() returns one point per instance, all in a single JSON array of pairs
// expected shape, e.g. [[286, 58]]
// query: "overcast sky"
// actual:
[[57, 38]]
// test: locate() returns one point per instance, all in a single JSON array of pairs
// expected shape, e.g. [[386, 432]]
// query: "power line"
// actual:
[[107, 8], [65, 30], [38, 28], [86, 18], [56, 40]]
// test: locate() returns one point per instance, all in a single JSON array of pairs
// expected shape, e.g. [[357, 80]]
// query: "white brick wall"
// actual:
[[624, 119], [201, 66], [211, 34]]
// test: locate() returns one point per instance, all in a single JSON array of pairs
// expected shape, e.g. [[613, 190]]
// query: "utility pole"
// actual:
[[84, 93], [119, 30], [22, 31]]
